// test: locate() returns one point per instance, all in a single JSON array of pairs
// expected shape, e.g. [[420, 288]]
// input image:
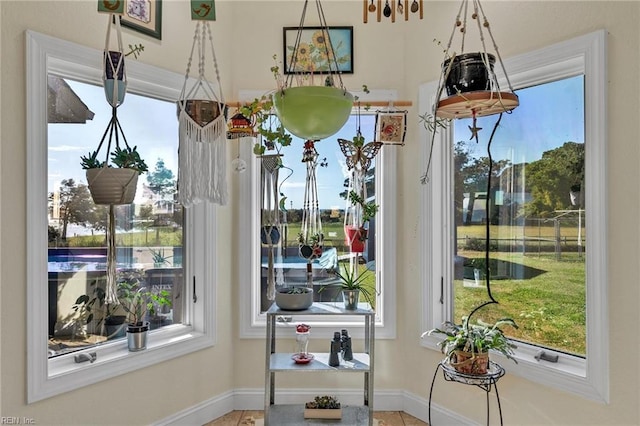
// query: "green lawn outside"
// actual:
[[549, 308]]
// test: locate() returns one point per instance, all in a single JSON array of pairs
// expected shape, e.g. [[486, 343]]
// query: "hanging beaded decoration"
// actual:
[[311, 236]]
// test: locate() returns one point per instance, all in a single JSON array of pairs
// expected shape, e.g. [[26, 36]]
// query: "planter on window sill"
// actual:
[[137, 336]]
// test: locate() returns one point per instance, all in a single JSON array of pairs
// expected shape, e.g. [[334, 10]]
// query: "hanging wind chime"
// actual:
[[202, 129], [391, 10]]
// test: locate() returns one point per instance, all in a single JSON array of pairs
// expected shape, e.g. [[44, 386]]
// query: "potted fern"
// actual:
[[352, 283], [467, 346]]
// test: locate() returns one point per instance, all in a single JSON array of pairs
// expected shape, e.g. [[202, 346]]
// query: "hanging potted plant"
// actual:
[[356, 234], [310, 111], [113, 182], [268, 148], [468, 72]]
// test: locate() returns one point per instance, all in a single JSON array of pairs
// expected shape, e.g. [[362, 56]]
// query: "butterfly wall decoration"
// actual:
[[357, 153]]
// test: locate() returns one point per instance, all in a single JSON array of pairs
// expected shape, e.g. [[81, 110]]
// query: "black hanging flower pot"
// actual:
[[468, 73], [270, 235]]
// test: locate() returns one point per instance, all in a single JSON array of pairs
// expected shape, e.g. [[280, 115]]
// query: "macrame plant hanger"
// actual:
[[472, 104], [311, 236], [114, 80], [202, 131], [358, 157], [270, 232]]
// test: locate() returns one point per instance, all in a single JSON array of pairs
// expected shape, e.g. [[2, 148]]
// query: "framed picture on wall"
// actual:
[[391, 127], [312, 50], [144, 16]]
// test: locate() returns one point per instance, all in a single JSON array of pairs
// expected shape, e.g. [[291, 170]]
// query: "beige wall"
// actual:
[[399, 56]]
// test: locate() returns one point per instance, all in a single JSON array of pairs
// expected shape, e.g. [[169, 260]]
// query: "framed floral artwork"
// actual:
[[391, 127], [312, 55], [144, 16]]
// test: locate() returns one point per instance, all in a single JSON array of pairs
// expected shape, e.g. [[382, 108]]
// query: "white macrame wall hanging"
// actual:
[[202, 149]]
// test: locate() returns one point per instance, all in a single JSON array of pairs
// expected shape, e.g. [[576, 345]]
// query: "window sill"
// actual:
[[114, 359], [569, 374]]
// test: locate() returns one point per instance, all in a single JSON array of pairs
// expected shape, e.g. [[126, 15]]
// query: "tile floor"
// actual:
[[387, 418]]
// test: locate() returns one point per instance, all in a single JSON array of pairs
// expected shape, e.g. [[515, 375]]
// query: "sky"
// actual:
[[548, 116], [143, 121], [330, 179]]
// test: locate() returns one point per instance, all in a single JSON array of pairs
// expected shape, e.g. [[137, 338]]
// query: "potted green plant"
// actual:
[[268, 148], [138, 302], [114, 182], [259, 112], [352, 283], [85, 308], [323, 407], [467, 346], [294, 298], [356, 235]]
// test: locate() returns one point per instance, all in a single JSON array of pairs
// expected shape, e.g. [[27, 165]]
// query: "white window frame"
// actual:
[[252, 322], [587, 377], [50, 377]]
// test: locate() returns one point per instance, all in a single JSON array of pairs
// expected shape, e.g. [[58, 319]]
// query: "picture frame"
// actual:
[[144, 16], [391, 127], [314, 59]]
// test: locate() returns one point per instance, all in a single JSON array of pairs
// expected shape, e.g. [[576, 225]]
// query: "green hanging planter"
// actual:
[[313, 112]]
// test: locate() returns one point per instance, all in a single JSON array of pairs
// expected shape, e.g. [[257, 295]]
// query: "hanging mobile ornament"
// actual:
[[239, 127], [202, 147], [311, 237]]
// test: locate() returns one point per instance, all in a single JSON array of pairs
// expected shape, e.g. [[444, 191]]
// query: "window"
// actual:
[[332, 181], [546, 203], [156, 240], [148, 232]]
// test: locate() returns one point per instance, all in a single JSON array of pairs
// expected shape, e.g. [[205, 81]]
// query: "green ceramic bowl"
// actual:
[[313, 112]]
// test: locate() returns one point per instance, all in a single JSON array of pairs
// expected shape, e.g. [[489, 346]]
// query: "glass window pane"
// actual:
[[332, 183], [536, 215], [149, 235]]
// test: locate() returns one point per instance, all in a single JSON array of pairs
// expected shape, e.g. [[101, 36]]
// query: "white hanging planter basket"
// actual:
[[110, 185]]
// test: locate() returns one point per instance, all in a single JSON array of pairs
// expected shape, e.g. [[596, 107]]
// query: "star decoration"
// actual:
[[474, 129]]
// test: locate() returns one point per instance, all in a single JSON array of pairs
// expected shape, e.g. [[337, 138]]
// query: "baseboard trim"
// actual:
[[253, 399]]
